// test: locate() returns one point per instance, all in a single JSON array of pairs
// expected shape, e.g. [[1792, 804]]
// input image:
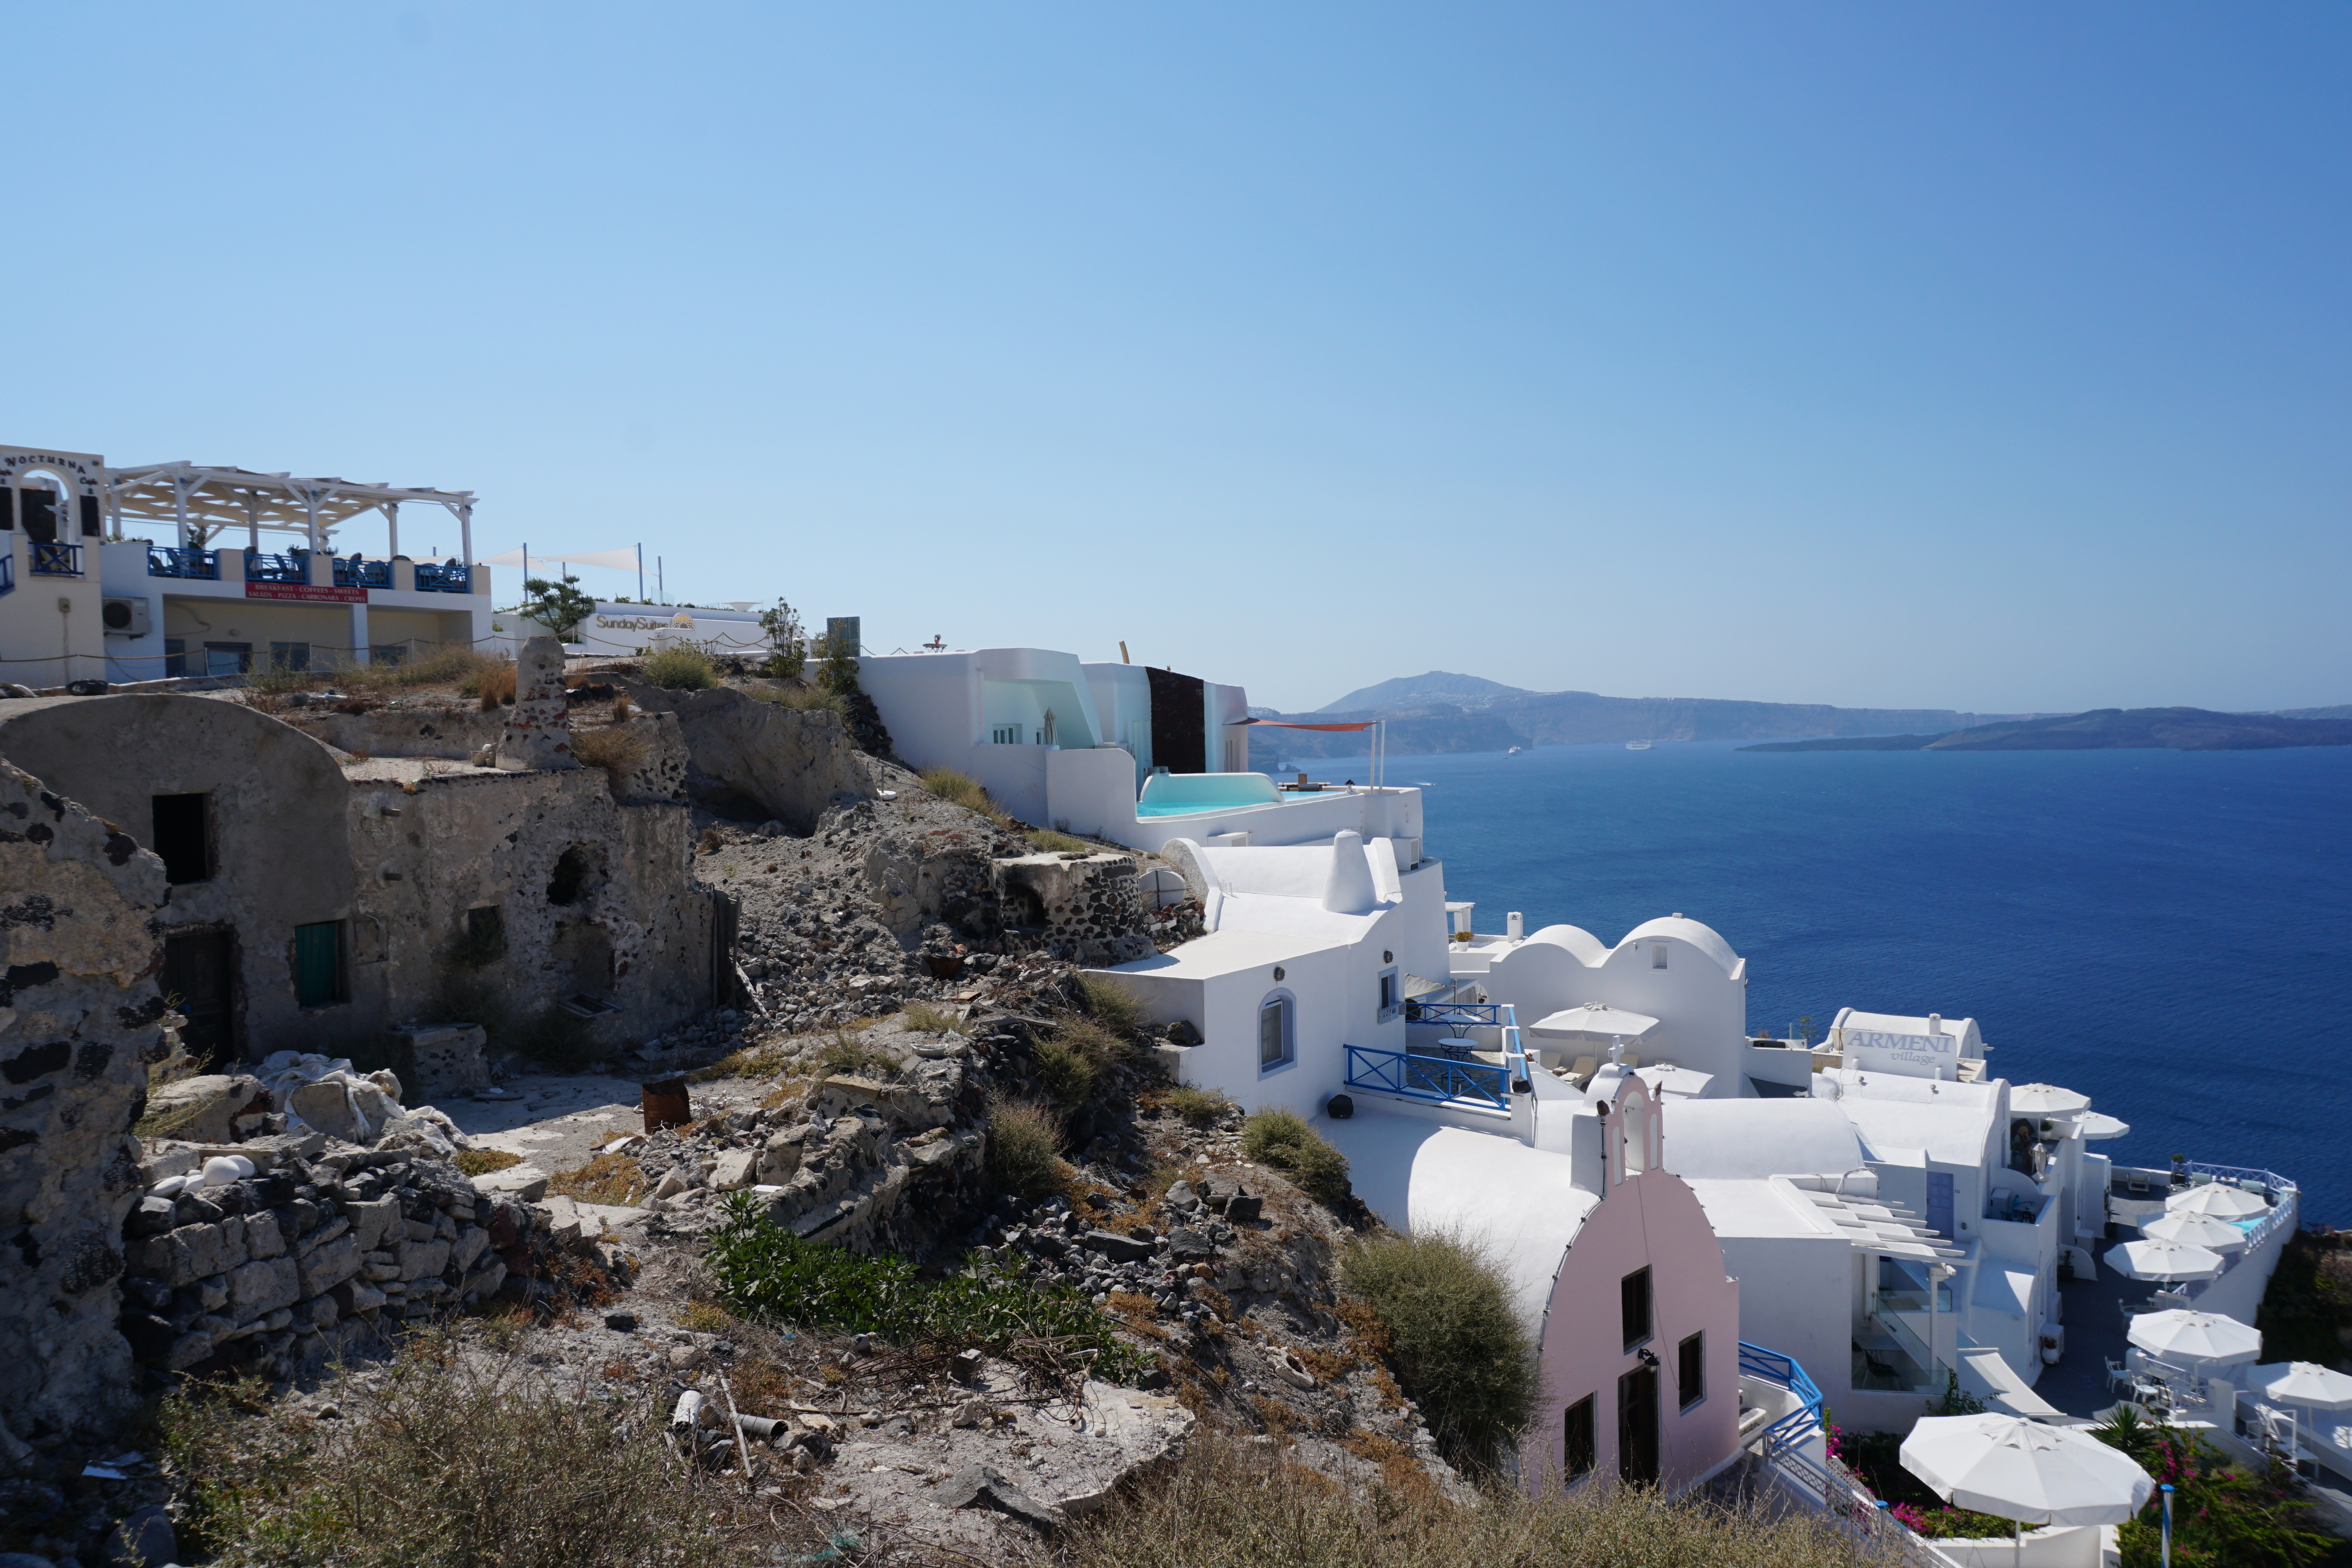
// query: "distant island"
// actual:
[[1441, 712], [2106, 728]]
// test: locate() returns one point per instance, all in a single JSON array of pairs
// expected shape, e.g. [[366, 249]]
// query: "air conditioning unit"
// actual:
[[123, 617]]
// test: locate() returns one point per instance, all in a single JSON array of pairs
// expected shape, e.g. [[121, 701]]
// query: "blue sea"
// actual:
[[2170, 933]]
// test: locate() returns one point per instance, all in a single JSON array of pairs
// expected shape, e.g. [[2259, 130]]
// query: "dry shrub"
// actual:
[[705, 1317], [792, 695], [927, 1019], [619, 749], [1457, 1346], [1199, 1107], [1024, 1140], [1233, 1504], [1280, 1139], [482, 1162], [1110, 1004], [455, 1461], [963, 789], [601, 1178], [679, 668], [1055, 843], [496, 686]]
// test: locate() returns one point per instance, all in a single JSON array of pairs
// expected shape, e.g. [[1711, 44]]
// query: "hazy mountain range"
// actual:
[[2172, 728], [1444, 712]]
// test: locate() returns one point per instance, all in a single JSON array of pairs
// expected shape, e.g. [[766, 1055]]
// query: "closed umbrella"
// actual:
[[2019, 1470], [2185, 1334], [2163, 1261], [2221, 1202], [2193, 1229]]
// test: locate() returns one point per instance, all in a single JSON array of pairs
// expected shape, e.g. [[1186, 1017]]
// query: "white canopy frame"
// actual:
[[192, 494]]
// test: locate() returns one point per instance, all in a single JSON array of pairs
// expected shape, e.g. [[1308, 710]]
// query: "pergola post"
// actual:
[[180, 505], [310, 507], [391, 526], [252, 523], [465, 543]]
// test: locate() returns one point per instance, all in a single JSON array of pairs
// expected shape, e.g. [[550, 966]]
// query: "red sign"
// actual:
[[310, 593]]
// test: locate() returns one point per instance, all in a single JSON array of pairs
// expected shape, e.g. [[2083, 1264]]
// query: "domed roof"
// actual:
[[1703, 937]]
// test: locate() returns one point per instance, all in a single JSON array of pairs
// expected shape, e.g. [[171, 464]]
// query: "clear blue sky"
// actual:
[[1990, 356]]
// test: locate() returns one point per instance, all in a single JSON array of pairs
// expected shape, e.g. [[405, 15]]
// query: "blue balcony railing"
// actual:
[[356, 573], [1459, 1015], [7, 574], [173, 560], [55, 560], [451, 579], [1440, 1078], [294, 565], [1771, 1366]]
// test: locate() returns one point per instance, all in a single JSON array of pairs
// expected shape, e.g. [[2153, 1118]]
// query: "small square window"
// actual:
[[1005, 734], [1634, 1303], [1389, 997], [1657, 954], [1579, 1445], [1690, 1370]]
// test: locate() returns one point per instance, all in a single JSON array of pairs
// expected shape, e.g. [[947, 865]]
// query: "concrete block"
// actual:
[[526, 1183]]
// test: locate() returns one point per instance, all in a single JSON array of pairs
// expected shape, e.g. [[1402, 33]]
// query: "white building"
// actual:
[[82, 600]]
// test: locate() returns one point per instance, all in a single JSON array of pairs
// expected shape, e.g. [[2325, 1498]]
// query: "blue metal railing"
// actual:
[[55, 560], [452, 578], [356, 573], [177, 561], [1429, 1077], [7, 574], [294, 565], [1771, 1366]]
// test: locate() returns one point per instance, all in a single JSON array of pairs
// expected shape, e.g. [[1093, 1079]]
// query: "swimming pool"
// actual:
[[1197, 794]]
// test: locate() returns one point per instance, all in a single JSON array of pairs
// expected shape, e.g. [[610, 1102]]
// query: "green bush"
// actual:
[[1068, 1071], [1024, 1140], [450, 1461], [1455, 1342], [766, 1273], [2222, 1516], [1200, 1107], [679, 668], [960, 788], [1281, 1139]]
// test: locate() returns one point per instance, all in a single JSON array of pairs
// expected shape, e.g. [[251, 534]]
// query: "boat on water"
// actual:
[[1515, 751], [1637, 745]]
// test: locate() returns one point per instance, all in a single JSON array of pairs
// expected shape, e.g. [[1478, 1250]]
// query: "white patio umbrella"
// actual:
[[2097, 1126], [2193, 1229], [2305, 1383], [2185, 1334], [2046, 1099], [1594, 1020], [2221, 1202], [2022, 1470], [2163, 1261]]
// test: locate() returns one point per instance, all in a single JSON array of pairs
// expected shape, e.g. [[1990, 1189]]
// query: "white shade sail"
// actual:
[[1879, 1225], [2163, 1261], [2220, 1201], [1595, 1020], [2305, 1383], [2193, 1229], [2182, 1334], [2046, 1099], [2019, 1470]]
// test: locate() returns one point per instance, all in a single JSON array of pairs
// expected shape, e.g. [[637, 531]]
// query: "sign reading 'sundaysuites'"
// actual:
[[1913, 1055]]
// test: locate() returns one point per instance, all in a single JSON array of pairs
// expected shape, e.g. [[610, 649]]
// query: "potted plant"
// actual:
[[2180, 1170]]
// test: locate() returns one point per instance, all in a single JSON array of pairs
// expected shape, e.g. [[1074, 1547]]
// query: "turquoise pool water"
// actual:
[[1146, 809]]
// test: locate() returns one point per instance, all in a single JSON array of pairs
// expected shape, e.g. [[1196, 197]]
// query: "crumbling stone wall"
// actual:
[[278, 1266], [1087, 909], [592, 895], [78, 950], [756, 759]]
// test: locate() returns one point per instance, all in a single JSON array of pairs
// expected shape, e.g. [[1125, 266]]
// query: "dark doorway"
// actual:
[[1637, 1426], [1179, 721], [200, 977], [183, 836], [39, 510]]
